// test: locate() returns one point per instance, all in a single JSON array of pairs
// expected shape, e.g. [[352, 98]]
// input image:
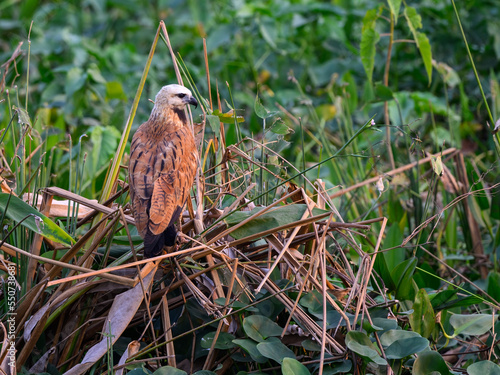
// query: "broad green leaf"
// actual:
[[360, 344], [291, 366], [423, 319], [472, 324], [224, 341], [383, 93], [428, 362], [369, 39], [483, 368], [425, 50], [276, 217], [250, 347], [168, 370], [273, 348], [404, 347], [394, 5], [17, 210], [311, 345], [342, 367], [394, 335], [94, 73], [259, 328], [395, 256]]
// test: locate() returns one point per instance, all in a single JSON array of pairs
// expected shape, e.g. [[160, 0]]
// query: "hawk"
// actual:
[[162, 168]]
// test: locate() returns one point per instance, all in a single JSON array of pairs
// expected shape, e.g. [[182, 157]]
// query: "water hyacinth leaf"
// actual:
[[169, 370], [250, 347], [224, 341], [273, 218], [291, 366], [274, 349], [341, 367], [259, 328], [474, 325], [429, 362], [17, 210], [404, 347], [483, 368], [360, 344], [423, 319]]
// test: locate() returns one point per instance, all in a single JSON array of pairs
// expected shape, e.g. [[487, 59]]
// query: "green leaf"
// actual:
[[369, 39], [168, 370], [273, 348], [224, 341], [342, 367], [259, 328], [291, 366], [383, 93], [423, 319], [228, 117], [114, 90], [279, 127], [402, 276], [22, 116], [425, 51], [483, 368], [214, 123], [493, 285], [401, 344], [413, 18], [260, 110], [474, 325], [394, 5], [250, 347], [275, 217], [428, 362], [360, 344], [104, 143], [17, 210], [94, 73], [75, 79]]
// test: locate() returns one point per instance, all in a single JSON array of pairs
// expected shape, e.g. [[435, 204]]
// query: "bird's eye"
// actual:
[[181, 95]]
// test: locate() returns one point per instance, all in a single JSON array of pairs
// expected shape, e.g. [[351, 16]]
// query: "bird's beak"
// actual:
[[191, 100]]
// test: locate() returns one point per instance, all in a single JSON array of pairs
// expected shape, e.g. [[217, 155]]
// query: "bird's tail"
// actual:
[[154, 243]]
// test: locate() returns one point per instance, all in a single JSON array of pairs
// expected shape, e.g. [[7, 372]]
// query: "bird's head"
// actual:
[[175, 96]]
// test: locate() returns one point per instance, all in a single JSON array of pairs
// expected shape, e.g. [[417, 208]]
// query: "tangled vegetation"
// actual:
[[345, 218]]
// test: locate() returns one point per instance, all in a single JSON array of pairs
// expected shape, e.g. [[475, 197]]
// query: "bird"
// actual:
[[162, 168]]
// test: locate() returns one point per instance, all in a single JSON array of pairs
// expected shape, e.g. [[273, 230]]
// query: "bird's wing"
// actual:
[[176, 169], [141, 178]]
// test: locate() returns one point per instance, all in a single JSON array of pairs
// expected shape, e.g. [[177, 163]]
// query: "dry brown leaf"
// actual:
[[124, 307], [132, 349], [60, 208]]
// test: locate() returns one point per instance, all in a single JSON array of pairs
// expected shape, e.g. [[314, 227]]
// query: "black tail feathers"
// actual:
[[154, 243]]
